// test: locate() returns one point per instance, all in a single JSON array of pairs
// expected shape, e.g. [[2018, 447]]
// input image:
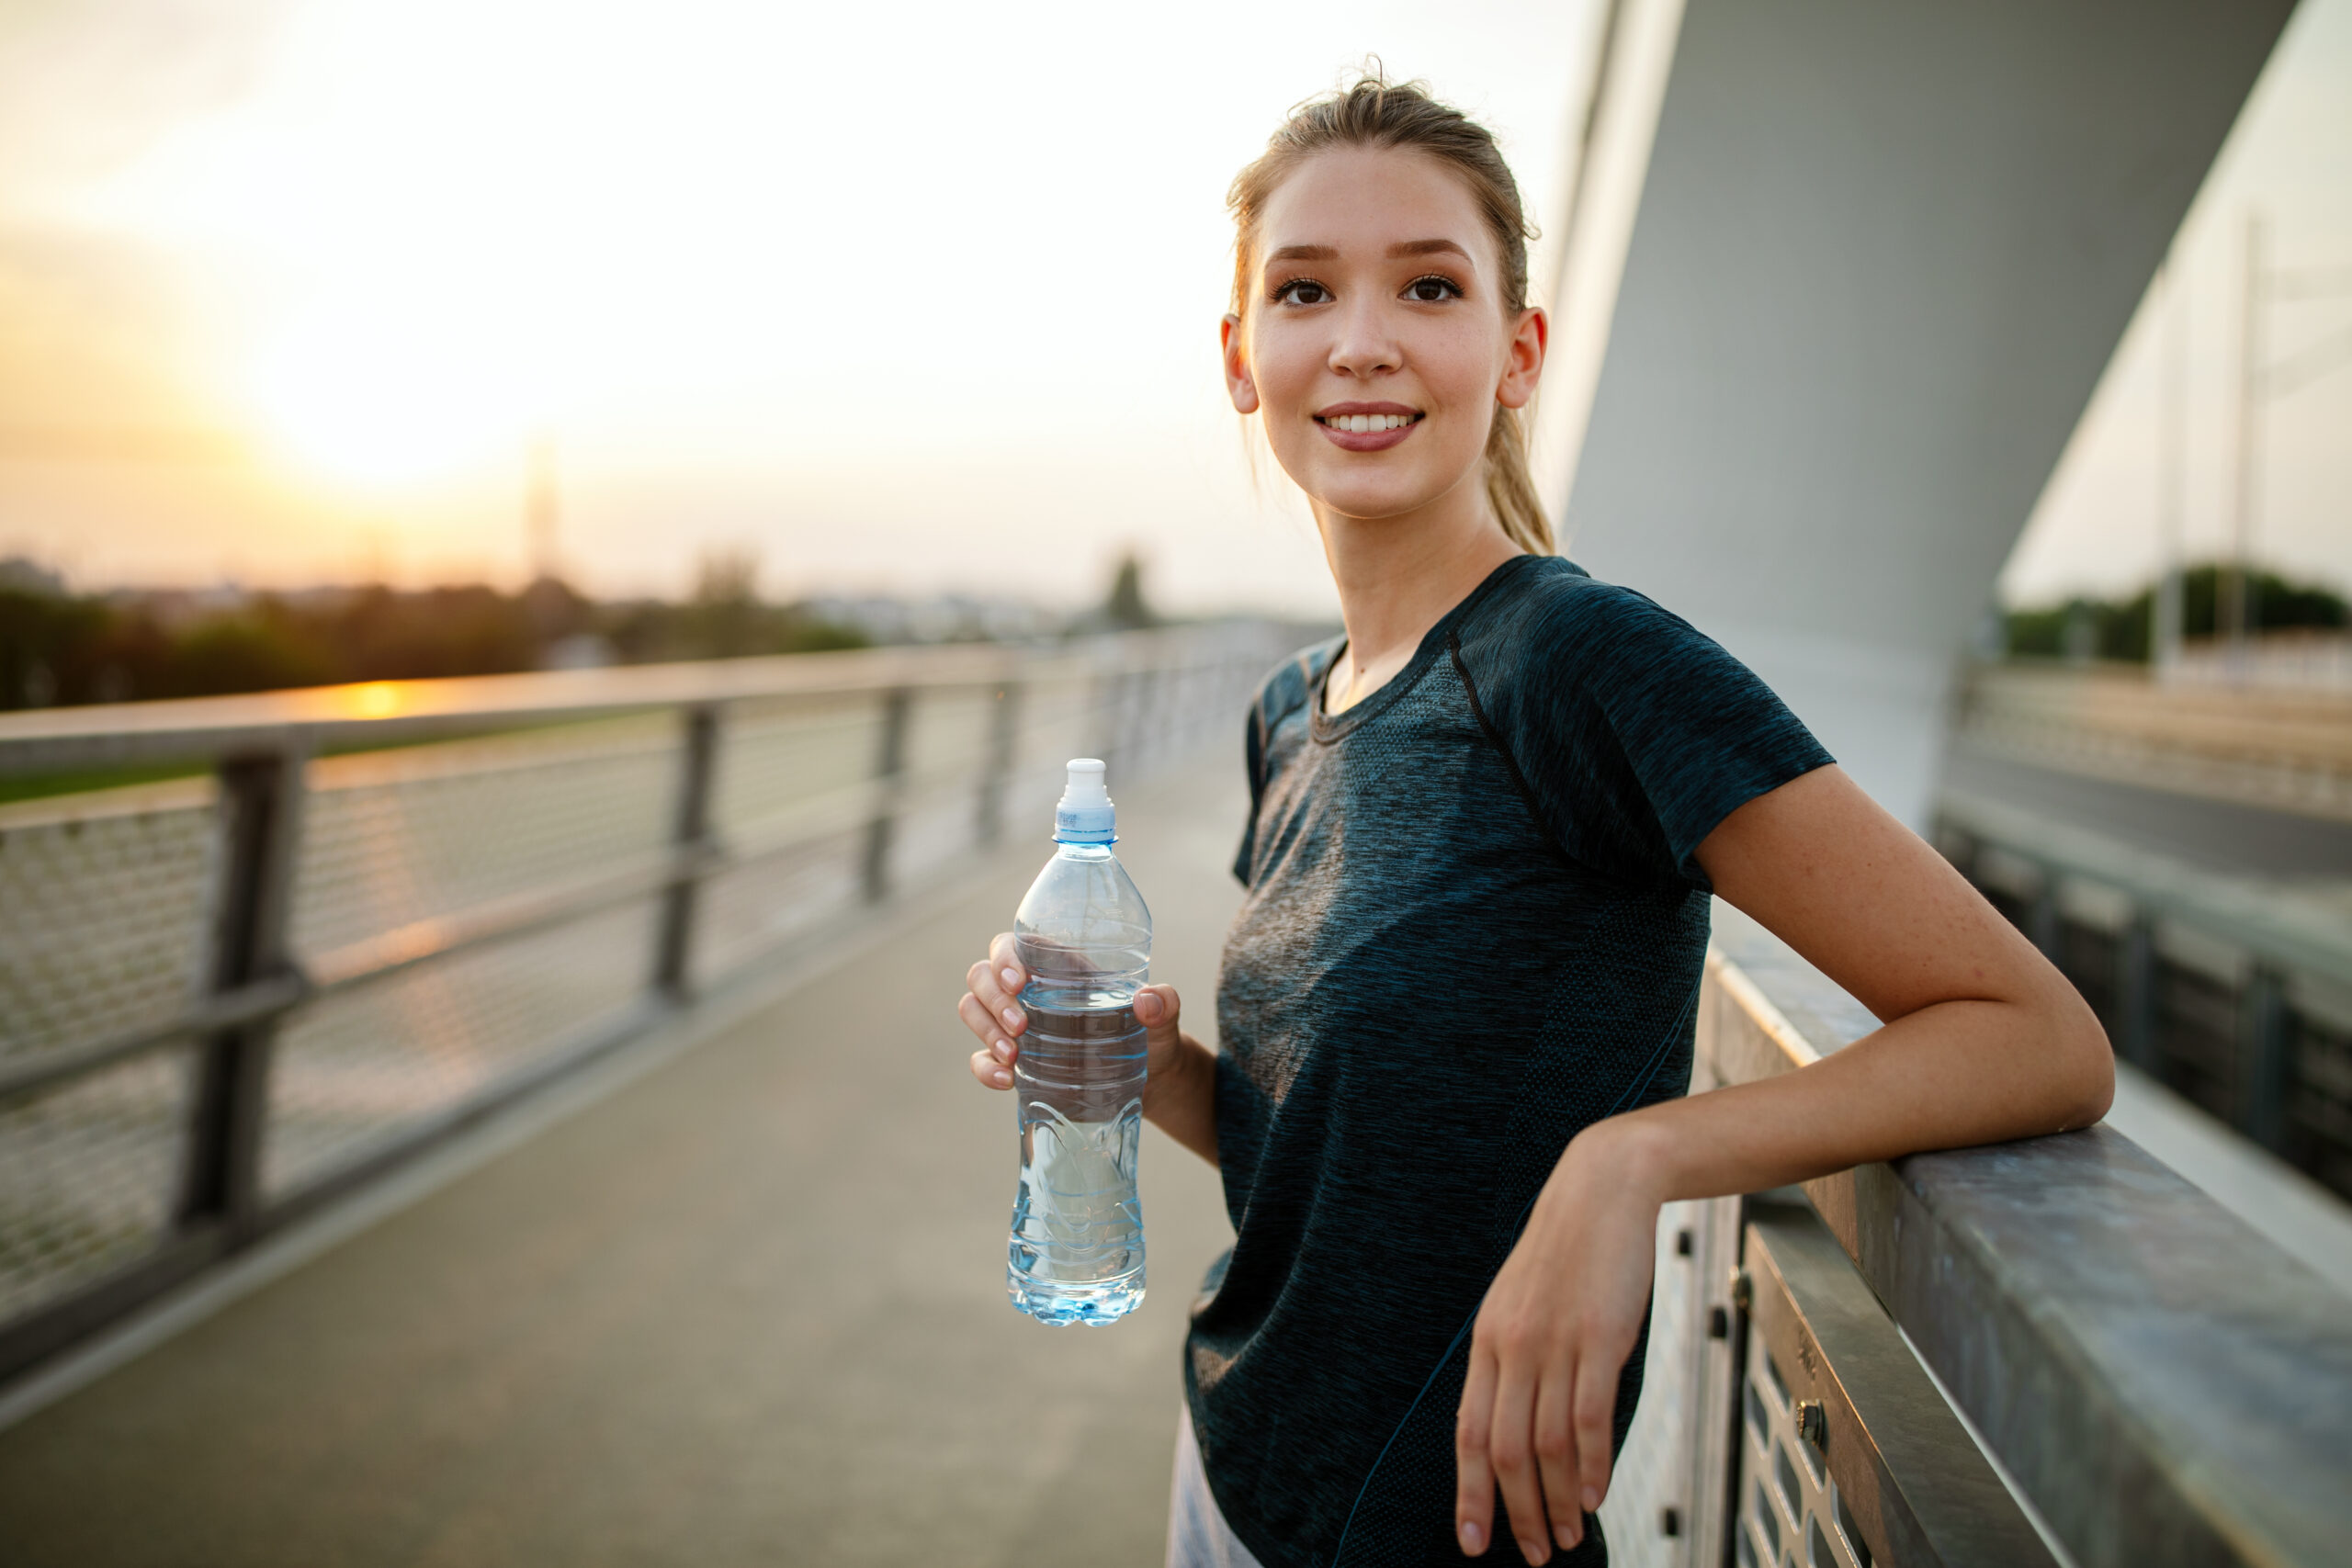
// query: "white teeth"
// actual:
[[1360, 422], [1365, 423]]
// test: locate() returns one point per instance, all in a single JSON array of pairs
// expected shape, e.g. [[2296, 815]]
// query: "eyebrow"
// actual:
[[1409, 248]]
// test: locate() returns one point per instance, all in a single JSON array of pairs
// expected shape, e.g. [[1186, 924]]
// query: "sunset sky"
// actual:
[[907, 299]]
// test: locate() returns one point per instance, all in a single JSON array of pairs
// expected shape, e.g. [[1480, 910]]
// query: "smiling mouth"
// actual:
[[1367, 423]]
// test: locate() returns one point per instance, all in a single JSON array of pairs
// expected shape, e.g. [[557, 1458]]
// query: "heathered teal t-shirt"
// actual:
[[1473, 927]]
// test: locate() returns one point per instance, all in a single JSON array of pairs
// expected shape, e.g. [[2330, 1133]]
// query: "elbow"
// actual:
[[2082, 1077]]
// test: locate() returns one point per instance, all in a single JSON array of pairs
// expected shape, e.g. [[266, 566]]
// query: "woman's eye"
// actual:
[[1433, 290], [1301, 291]]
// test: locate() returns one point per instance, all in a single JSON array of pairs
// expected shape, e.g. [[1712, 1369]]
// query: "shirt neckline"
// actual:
[[1326, 728]]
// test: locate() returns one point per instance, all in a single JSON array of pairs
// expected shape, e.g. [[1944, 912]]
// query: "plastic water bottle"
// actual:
[[1084, 938]]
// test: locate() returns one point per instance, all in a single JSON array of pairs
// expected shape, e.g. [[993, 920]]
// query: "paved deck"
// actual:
[[747, 1310]]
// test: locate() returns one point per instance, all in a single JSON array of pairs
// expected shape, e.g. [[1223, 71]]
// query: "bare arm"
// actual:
[[1180, 1090], [1982, 1040]]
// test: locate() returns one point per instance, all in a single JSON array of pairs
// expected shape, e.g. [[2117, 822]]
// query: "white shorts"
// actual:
[[1198, 1536]]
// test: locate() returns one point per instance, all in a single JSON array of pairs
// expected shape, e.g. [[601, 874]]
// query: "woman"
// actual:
[[1456, 1005]]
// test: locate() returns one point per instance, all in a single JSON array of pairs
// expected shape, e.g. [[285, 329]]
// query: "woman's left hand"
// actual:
[[1552, 1336]]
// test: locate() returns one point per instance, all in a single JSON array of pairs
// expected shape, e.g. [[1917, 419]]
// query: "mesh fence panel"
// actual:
[[89, 1173], [355, 1071], [778, 756], [393, 837], [101, 913], [754, 909]]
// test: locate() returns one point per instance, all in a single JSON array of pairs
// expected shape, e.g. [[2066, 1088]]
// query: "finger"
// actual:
[[1596, 1410], [1473, 1475], [992, 1033], [1512, 1449], [981, 981], [1005, 957], [991, 1073], [1556, 1458], [1157, 1008]]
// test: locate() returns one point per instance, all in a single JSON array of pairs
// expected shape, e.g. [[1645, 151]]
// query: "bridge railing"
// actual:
[[2050, 1351], [2235, 993], [379, 912]]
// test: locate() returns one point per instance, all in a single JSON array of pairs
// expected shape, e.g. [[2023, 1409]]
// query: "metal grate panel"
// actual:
[[2196, 1039], [2318, 1100], [88, 1172], [1790, 1513], [1651, 1484], [101, 913]]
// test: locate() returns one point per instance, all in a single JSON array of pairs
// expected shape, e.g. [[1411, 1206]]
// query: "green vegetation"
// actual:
[[2100, 628], [58, 648]]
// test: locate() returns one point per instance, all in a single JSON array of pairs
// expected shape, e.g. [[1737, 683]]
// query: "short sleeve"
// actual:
[[1634, 733], [1254, 757], [1286, 690]]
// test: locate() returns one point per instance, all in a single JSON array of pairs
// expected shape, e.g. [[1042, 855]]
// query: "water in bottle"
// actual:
[[1084, 938]]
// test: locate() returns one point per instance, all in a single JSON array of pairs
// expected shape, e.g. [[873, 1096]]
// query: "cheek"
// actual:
[[1285, 368], [1459, 365]]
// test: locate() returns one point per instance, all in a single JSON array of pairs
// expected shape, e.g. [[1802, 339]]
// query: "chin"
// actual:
[[1375, 508]]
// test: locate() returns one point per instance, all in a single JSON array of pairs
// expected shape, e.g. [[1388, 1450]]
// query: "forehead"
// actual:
[[1361, 200]]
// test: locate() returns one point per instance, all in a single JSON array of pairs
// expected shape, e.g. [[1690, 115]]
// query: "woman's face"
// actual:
[[1376, 343]]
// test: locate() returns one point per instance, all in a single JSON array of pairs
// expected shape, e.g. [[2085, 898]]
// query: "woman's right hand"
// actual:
[[991, 1008]]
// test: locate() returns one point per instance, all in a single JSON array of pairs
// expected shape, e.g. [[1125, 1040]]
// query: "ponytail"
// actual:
[[1510, 487]]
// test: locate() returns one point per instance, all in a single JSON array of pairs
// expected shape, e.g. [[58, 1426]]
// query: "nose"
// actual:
[[1365, 347]]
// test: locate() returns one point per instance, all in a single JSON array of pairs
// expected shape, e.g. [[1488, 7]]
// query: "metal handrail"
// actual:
[[2116, 1340], [388, 712]]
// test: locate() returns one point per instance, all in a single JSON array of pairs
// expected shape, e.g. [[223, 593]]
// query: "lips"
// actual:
[[1367, 427]]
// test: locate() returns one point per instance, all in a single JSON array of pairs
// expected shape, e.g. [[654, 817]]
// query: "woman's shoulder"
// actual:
[[1560, 626], [1289, 686]]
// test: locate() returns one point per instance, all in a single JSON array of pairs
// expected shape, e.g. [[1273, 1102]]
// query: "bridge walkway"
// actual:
[[747, 1309]]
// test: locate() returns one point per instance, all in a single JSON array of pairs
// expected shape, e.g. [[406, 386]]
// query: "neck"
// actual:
[[1397, 576]]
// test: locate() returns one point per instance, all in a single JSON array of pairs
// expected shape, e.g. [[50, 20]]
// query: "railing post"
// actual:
[[1004, 727], [690, 833], [2135, 994], [890, 768], [260, 839], [2262, 1023], [2044, 927]]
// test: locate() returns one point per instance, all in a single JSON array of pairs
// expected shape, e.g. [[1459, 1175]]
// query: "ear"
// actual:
[[1241, 385], [1523, 360]]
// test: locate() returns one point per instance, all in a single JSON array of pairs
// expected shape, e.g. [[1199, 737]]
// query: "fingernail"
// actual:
[[1566, 1536], [1591, 1500], [1013, 1018], [1012, 977], [1535, 1551], [1003, 1049], [1003, 1079], [1472, 1536]]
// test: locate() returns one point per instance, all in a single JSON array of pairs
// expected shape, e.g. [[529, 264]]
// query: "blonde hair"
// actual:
[[1377, 113]]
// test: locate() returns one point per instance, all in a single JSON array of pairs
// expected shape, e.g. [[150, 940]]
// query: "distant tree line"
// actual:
[[59, 648], [2124, 629]]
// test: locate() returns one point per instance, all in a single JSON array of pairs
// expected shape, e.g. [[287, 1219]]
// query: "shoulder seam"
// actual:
[[1502, 749]]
